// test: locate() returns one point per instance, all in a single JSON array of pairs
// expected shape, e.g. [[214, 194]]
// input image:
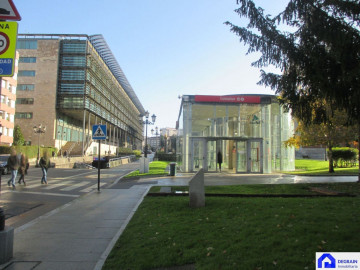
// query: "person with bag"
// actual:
[[44, 163]]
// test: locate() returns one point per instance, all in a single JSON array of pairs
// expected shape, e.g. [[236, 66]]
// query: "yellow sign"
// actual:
[[8, 37]]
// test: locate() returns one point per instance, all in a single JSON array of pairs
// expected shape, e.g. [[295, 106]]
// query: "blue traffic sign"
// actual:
[[6, 67], [99, 132]]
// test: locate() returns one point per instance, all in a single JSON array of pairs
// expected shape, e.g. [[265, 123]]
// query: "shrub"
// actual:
[[137, 153], [165, 157], [345, 156], [122, 151], [4, 149]]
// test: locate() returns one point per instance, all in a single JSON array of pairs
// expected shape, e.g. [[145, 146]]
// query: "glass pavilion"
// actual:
[[248, 130]]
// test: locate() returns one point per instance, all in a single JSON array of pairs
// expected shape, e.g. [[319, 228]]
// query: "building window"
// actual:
[[27, 44], [74, 47], [26, 73], [73, 75], [73, 102], [72, 88], [23, 115], [26, 87], [74, 61], [27, 60], [24, 101]]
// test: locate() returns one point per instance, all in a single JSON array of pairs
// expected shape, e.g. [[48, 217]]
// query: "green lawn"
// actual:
[[155, 168], [240, 233], [316, 167]]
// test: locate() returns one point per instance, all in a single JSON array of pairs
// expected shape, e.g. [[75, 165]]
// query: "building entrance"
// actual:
[[238, 155]]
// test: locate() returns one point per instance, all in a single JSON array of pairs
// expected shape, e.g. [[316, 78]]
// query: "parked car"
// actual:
[[3, 164]]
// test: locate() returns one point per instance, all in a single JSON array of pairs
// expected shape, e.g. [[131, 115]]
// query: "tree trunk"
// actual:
[[331, 163]]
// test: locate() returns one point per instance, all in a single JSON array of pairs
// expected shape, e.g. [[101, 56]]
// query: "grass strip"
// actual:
[[319, 167], [155, 168]]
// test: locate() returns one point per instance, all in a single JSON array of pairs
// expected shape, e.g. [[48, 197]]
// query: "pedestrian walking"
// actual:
[[24, 166], [219, 159], [13, 165], [44, 164]]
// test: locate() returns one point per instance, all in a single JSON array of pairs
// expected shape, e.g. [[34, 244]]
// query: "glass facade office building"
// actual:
[[248, 131], [69, 83]]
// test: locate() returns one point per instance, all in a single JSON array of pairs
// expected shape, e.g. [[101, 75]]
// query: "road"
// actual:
[[25, 203]]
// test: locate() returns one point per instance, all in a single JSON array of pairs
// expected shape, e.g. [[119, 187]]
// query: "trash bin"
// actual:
[[172, 168]]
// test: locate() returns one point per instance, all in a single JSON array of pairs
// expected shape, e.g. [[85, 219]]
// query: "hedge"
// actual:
[[165, 157], [345, 156], [122, 151], [29, 151]]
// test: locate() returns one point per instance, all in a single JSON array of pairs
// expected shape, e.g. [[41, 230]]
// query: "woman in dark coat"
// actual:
[[24, 165], [219, 159]]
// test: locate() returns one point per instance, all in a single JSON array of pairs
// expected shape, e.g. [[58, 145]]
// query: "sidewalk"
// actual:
[[78, 235]]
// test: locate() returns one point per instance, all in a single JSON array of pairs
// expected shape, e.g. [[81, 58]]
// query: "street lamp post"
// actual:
[[38, 130], [146, 123], [61, 134], [156, 134]]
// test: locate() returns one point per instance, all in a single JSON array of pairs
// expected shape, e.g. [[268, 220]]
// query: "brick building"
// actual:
[[7, 106]]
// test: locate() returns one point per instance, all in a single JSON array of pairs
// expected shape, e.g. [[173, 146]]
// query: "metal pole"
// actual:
[[38, 155], [146, 123], [83, 134], [99, 167]]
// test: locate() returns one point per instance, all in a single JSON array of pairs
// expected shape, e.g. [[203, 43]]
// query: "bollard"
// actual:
[[2, 219], [6, 240]]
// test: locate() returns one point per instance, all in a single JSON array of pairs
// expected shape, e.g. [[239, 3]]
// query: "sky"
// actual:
[[165, 48]]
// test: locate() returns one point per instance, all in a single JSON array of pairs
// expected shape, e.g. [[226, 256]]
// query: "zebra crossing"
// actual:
[[58, 185]]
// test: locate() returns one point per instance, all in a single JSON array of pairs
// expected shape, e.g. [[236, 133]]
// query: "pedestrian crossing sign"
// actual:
[[99, 132]]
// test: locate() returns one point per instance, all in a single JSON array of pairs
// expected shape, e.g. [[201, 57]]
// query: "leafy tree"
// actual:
[[18, 136], [335, 132], [318, 55]]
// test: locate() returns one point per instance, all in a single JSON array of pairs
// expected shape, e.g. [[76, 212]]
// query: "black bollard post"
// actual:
[[2, 219], [6, 240]]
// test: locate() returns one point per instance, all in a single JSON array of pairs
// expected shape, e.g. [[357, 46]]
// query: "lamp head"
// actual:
[[153, 118]]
